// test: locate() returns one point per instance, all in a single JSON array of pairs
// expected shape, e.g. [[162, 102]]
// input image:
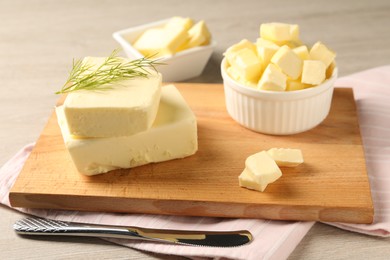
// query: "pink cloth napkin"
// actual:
[[272, 239]]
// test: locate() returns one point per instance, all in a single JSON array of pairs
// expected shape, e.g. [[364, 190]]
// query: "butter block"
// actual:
[[128, 108], [198, 35], [173, 135], [288, 62], [314, 72], [162, 41], [302, 52], [279, 32], [286, 157], [272, 79], [186, 22], [320, 52], [260, 170], [247, 64], [266, 49]]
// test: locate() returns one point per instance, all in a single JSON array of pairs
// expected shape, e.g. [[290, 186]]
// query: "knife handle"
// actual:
[[40, 226]]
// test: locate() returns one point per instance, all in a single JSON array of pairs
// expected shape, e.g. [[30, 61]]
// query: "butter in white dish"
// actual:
[[127, 108], [173, 135], [286, 157], [260, 170]]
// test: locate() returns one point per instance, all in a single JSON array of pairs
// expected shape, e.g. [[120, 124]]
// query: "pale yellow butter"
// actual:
[[302, 52], [260, 170], [163, 41], [296, 85], [265, 50], [288, 61], [320, 52], [231, 52], [279, 32], [314, 72], [173, 135], [198, 35], [247, 64], [286, 156], [128, 108], [272, 79]]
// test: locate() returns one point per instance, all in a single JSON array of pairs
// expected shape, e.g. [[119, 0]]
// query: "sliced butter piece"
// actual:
[[286, 156], [128, 108], [314, 72], [279, 32], [265, 50], [198, 35], [288, 61], [272, 79], [247, 64], [173, 135], [260, 170], [320, 52], [162, 41]]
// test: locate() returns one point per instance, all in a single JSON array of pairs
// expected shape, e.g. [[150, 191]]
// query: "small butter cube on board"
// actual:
[[247, 64], [320, 52], [286, 157], [272, 79], [127, 108], [314, 72], [260, 170], [173, 135], [279, 32], [288, 61]]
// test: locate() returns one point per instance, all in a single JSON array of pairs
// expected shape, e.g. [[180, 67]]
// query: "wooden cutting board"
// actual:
[[332, 185]]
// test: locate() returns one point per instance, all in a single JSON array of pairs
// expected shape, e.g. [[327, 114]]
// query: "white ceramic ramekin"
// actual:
[[277, 113], [180, 66]]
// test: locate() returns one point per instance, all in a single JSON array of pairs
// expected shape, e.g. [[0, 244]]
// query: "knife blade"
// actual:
[[41, 226]]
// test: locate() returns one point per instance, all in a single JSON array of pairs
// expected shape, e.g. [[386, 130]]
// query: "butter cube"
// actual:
[[293, 85], [286, 156], [330, 69], [198, 35], [266, 49], [164, 41], [279, 32], [128, 108], [314, 72], [272, 79], [234, 74], [288, 62], [320, 52], [231, 52], [247, 64], [173, 135], [260, 170], [302, 52]]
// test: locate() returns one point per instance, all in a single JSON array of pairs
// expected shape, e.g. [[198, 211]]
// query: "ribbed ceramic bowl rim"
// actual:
[[276, 95]]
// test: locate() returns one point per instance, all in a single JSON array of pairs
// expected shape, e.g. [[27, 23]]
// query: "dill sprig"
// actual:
[[84, 76]]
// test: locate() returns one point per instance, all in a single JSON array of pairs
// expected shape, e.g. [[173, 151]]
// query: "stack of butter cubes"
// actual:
[[176, 35], [279, 61], [133, 123]]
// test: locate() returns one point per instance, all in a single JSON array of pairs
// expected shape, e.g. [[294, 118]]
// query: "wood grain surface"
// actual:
[[331, 185]]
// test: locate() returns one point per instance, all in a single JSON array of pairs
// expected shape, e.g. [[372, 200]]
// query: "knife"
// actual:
[[40, 226]]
